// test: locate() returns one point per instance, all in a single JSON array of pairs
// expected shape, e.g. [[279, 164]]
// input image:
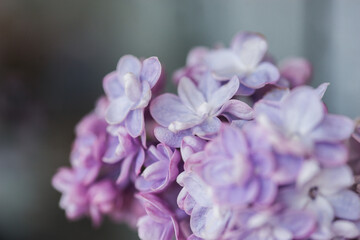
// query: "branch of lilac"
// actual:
[[244, 150]]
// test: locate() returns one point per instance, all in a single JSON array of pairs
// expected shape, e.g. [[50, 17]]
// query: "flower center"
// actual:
[[313, 192]]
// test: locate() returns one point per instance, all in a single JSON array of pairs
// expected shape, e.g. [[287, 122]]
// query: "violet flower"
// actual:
[[102, 200], [244, 59], [195, 111], [161, 169], [272, 223], [162, 221], [195, 68], [74, 192], [318, 193], [296, 71], [129, 91], [303, 126]]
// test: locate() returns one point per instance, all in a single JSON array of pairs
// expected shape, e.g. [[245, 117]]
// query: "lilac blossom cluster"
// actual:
[[244, 150]]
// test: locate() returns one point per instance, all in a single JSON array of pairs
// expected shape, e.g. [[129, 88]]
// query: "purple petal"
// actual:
[[244, 90], [190, 145], [208, 85], [250, 47], [288, 168], [330, 154], [151, 71], [208, 128], [208, 223], [238, 109], [224, 93], [134, 122], [321, 89], [303, 110], [189, 94], [342, 174], [223, 63], [197, 189], [296, 70], [196, 55], [333, 128], [112, 86], [267, 193], [346, 229], [238, 196], [118, 110], [148, 229], [128, 64], [346, 204], [171, 139], [168, 108], [265, 73], [132, 86], [299, 223]]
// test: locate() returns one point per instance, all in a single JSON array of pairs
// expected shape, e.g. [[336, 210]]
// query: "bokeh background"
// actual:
[[54, 54]]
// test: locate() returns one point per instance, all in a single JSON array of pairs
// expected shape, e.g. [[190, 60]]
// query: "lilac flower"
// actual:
[[129, 91], [195, 111], [161, 169], [102, 200], [89, 145], [296, 71], [235, 169], [272, 223], [245, 60], [303, 126], [74, 193], [195, 68], [318, 193], [162, 221]]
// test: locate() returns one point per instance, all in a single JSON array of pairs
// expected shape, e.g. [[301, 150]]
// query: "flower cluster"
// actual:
[[244, 150]]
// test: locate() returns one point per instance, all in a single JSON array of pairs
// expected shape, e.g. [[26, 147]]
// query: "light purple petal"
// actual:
[[208, 223], [244, 90], [112, 86], [224, 93], [346, 229], [267, 193], [128, 64], [346, 204], [330, 154], [171, 139], [208, 85], [118, 110], [288, 168], [321, 89], [296, 70], [190, 145], [333, 128], [265, 73], [300, 224], [189, 94], [148, 229], [303, 110], [196, 55], [250, 47], [151, 71], [132, 86], [168, 108], [134, 122], [342, 174], [223, 63], [208, 128], [238, 109]]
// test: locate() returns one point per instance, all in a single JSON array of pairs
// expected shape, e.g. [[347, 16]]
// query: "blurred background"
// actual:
[[54, 54]]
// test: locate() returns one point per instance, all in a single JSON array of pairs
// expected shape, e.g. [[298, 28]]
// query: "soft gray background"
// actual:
[[53, 55]]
